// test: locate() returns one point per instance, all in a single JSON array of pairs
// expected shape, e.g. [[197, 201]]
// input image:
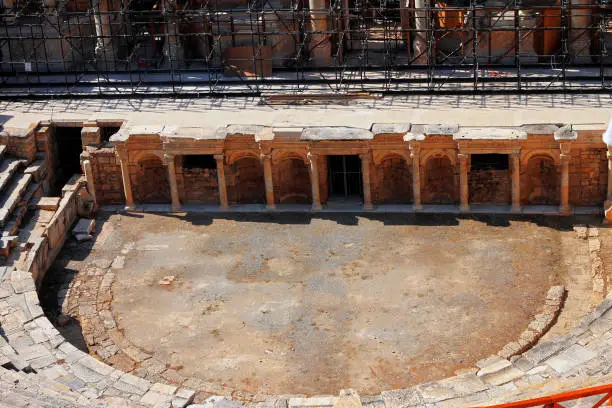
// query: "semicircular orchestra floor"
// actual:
[[287, 303]]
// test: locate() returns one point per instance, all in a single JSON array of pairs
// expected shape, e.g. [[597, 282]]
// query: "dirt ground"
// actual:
[[277, 304]]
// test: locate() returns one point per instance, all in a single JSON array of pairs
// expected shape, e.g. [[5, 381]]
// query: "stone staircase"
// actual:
[[20, 183]]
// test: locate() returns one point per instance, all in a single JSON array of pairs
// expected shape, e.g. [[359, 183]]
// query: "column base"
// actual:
[[270, 206], [565, 210], [368, 207], [317, 207], [608, 212], [224, 207], [516, 208], [130, 207], [417, 207], [464, 208], [175, 208]]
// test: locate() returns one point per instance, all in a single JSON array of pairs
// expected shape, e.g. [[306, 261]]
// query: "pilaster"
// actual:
[[565, 161], [516, 181], [415, 157], [170, 164], [122, 155], [220, 158], [267, 166], [366, 161], [464, 205], [314, 181]]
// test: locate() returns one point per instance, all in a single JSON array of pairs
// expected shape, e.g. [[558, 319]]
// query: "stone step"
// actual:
[[13, 224], [7, 169], [13, 197], [6, 243]]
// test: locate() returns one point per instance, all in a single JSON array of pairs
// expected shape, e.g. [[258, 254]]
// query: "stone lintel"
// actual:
[[335, 133], [192, 132], [566, 133], [390, 128], [247, 130], [287, 132], [490, 133], [440, 129], [539, 128]]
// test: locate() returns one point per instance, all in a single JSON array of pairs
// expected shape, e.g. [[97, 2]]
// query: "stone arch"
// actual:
[[280, 155], [234, 157], [138, 156], [150, 180], [394, 184], [245, 181], [437, 153], [292, 181], [378, 158], [553, 155], [438, 185], [541, 181]]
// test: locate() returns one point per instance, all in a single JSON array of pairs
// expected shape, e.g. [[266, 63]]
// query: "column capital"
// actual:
[[266, 156], [415, 149], [121, 153], [169, 157], [463, 156], [367, 156], [219, 157]]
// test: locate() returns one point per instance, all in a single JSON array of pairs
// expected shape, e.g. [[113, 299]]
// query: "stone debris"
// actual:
[[118, 263], [84, 226], [581, 231], [166, 280], [83, 237]]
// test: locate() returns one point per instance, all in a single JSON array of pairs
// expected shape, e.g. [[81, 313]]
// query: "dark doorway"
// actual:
[[489, 179], [344, 176], [68, 149]]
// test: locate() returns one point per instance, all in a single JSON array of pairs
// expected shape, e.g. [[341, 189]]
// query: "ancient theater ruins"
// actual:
[[305, 203]]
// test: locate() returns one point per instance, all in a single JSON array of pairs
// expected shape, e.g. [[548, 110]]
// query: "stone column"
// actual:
[[122, 154], [565, 159], [516, 182], [176, 201], [91, 188], [415, 157], [366, 160], [267, 165], [220, 158], [579, 37], [421, 24], [314, 181], [608, 203], [173, 48], [464, 205], [320, 46]]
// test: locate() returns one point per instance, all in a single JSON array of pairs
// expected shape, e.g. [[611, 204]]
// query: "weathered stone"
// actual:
[[84, 226], [402, 398], [570, 358]]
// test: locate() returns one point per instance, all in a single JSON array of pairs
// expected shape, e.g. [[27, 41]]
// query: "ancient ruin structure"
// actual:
[[415, 166]]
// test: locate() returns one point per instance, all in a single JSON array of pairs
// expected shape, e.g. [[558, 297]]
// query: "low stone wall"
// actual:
[[106, 174], [45, 248], [489, 187]]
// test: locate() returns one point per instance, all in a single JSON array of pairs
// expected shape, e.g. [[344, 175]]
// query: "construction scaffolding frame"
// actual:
[[99, 48]]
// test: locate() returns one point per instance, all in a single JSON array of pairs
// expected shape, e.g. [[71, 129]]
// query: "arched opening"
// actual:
[[246, 184], [151, 184], [542, 182], [394, 181], [292, 182], [439, 186], [197, 180]]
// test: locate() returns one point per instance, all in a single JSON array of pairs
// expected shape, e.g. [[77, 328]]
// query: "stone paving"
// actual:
[[40, 368]]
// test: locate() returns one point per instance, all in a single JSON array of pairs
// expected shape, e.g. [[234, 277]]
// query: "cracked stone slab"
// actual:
[[401, 398], [570, 358], [317, 133]]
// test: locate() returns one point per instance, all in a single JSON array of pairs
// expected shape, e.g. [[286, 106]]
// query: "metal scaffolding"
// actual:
[[98, 48]]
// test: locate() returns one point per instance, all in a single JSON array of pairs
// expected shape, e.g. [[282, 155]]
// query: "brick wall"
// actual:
[[438, 184], [292, 182], [540, 184], [107, 176], [245, 182], [588, 176], [392, 182], [489, 187], [150, 181], [198, 185]]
